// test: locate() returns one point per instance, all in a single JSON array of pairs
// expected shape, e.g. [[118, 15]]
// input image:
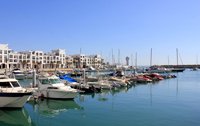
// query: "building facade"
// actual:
[[40, 60], [31, 59], [83, 61]]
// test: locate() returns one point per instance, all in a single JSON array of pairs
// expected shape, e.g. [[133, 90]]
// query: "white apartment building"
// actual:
[[83, 61], [40, 60], [31, 59], [4, 55], [55, 59]]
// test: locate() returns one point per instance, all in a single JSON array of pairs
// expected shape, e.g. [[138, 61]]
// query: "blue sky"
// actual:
[[98, 26]]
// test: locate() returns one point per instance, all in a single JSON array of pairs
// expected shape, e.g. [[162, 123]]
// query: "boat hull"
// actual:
[[178, 70], [13, 100], [51, 94]]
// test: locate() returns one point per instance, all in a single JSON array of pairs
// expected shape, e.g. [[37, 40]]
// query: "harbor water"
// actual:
[[171, 102]]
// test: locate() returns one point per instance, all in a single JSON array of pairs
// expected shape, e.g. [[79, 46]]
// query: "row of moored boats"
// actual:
[[63, 86]]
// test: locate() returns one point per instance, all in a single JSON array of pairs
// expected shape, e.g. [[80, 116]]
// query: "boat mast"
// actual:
[[136, 60], [168, 60], [177, 56], [112, 58], [118, 57], [132, 60], [151, 58]]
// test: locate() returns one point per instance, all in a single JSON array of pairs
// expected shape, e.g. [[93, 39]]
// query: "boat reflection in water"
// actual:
[[18, 117], [120, 90], [51, 108]]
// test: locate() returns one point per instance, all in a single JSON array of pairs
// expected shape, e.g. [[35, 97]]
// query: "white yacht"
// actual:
[[51, 87], [12, 95], [18, 74]]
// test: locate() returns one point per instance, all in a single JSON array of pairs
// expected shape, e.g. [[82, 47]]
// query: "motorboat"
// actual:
[[50, 86], [12, 95], [18, 74]]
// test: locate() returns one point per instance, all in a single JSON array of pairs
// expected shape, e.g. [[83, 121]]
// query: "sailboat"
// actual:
[[195, 68], [177, 69]]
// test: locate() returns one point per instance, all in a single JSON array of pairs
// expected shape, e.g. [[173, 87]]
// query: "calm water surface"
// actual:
[[173, 102]]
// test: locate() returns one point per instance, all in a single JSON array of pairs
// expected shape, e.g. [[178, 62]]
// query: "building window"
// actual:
[[5, 51]]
